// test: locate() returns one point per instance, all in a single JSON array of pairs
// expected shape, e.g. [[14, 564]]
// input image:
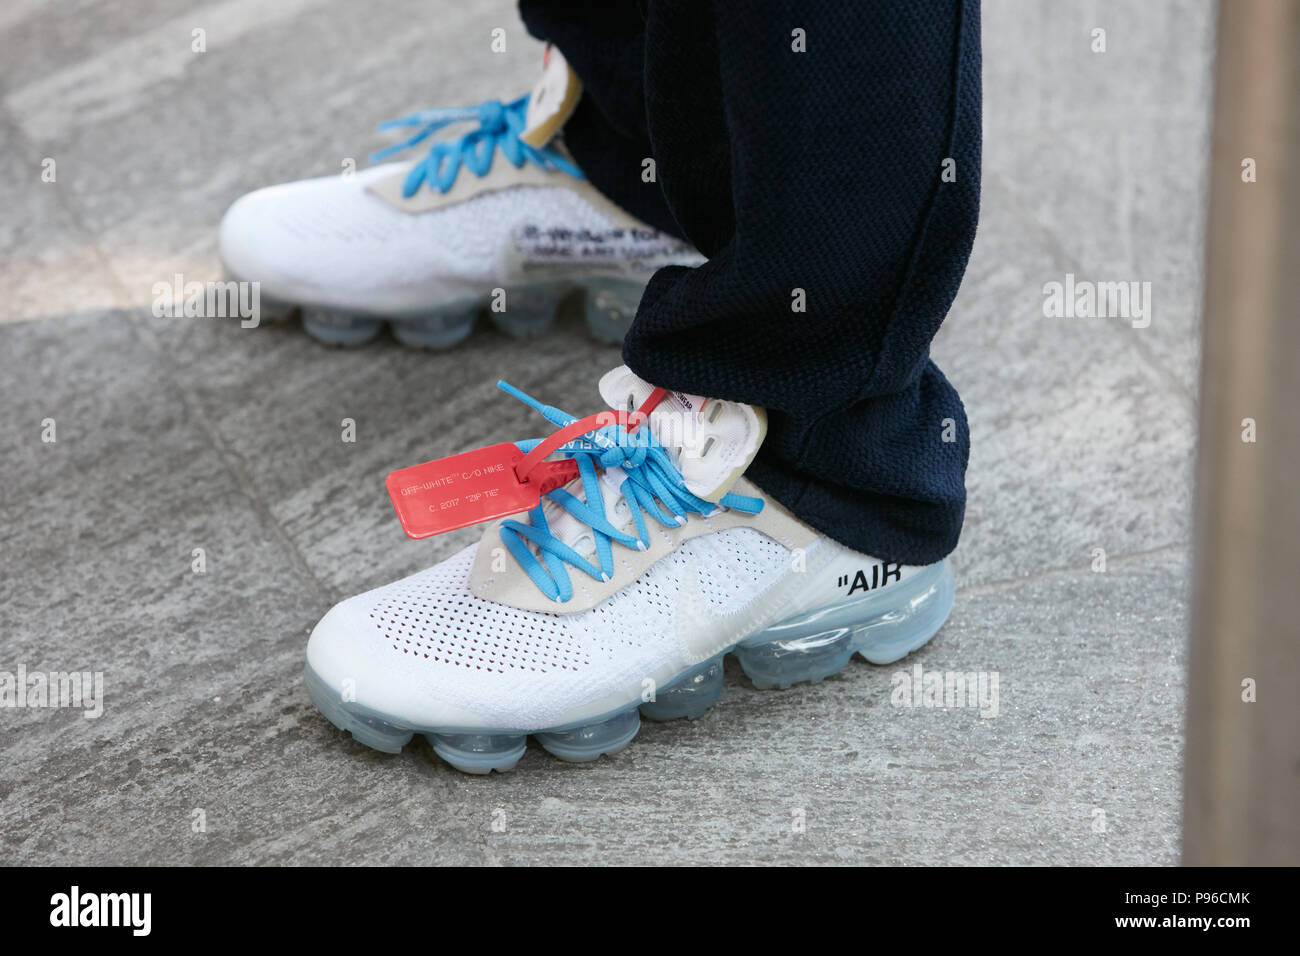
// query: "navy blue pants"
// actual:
[[831, 177]]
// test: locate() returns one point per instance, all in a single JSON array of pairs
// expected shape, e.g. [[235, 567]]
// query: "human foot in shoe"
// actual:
[[616, 597]]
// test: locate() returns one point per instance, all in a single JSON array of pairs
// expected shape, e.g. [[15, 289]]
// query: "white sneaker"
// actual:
[[484, 220], [618, 597]]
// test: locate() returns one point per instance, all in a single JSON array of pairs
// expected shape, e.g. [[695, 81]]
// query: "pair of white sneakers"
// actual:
[[647, 557]]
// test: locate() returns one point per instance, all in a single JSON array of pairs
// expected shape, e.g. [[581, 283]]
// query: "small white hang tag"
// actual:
[[552, 101], [717, 439]]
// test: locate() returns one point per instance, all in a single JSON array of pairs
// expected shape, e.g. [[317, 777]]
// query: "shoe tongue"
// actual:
[[711, 441], [552, 100]]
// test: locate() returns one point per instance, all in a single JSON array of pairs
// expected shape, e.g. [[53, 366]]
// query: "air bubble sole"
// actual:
[[881, 627], [609, 307]]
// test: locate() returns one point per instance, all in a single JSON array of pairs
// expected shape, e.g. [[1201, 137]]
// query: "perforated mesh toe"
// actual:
[[522, 668], [434, 616]]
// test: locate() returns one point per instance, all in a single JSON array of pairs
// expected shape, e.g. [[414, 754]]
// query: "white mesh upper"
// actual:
[[522, 668], [333, 241], [334, 233], [434, 617]]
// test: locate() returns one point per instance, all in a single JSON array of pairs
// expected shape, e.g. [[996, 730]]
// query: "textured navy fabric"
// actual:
[[818, 171]]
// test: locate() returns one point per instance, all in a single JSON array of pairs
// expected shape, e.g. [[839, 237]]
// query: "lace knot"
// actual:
[[651, 487], [500, 126]]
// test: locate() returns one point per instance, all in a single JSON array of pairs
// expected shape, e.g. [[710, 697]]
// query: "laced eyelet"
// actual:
[[653, 488]]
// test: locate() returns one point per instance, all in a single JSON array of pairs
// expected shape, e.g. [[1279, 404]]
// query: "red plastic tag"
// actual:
[[470, 488], [493, 482]]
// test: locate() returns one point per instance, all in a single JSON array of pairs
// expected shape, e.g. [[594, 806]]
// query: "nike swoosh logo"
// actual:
[[701, 632]]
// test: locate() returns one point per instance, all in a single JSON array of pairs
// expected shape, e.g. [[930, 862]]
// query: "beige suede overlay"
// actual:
[[502, 175]]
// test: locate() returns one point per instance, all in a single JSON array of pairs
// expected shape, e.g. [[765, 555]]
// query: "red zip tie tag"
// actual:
[[471, 488], [493, 482]]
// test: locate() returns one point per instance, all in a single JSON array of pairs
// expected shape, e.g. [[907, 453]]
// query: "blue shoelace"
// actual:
[[499, 128], [651, 481]]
